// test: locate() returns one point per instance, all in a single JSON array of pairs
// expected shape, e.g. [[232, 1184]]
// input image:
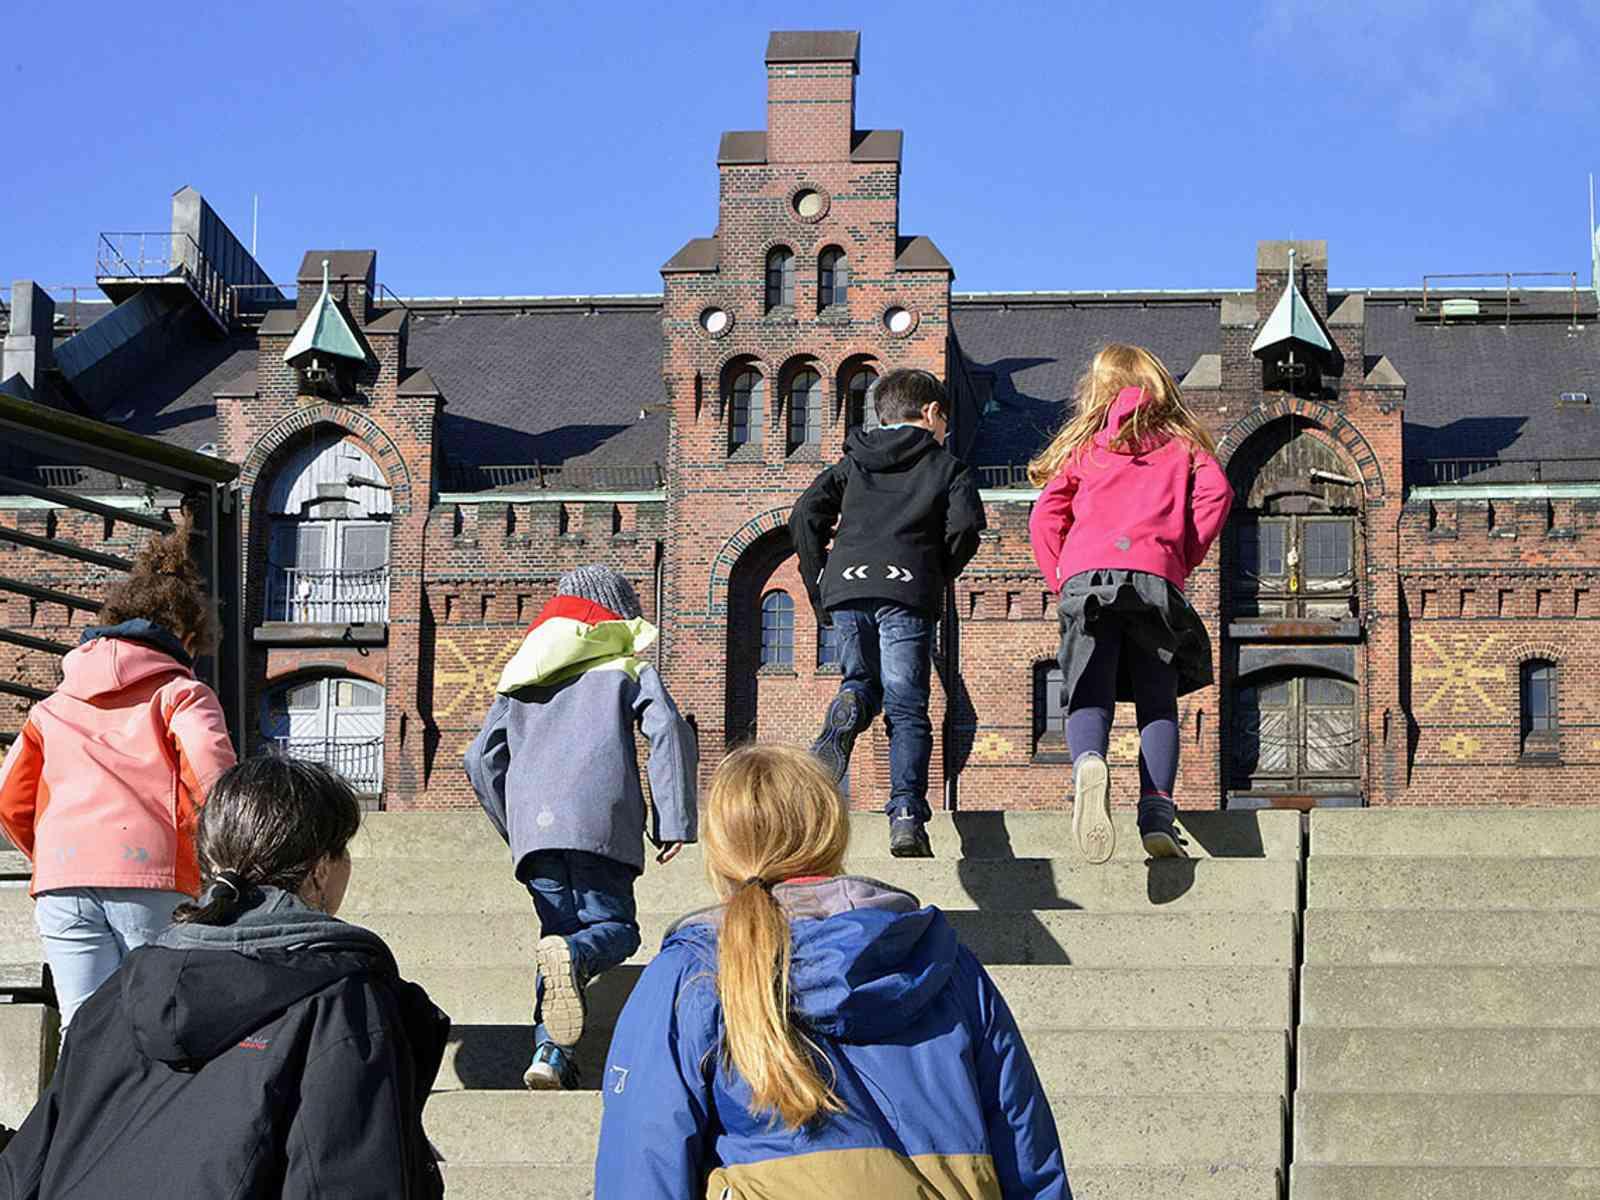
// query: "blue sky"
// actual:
[[487, 148]]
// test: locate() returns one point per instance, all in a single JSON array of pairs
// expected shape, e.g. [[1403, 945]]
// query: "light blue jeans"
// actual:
[[87, 932]]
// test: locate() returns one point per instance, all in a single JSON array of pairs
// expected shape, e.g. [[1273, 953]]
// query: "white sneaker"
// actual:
[[1092, 829]]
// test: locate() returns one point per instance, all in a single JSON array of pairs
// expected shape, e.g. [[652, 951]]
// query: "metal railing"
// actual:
[[1007, 475], [1505, 278], [471, 477], [165, 255], [327, 597], [359, 760], [1428, 471]]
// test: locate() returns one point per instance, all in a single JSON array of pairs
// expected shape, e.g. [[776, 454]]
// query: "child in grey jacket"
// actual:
[[556, 771]]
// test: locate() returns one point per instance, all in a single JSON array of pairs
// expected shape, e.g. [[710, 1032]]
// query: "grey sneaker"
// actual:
[[908, 837], [563, 1006], [838, 737], [1092, 829]]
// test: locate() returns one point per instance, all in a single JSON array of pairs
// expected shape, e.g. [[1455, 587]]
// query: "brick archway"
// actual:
[[1330, 420], [727, 558], [364, 429]]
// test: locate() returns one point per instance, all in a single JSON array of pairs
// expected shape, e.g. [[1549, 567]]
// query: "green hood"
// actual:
[[559, 649]]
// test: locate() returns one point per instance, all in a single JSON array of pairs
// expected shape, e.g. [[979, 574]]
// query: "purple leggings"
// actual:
[[1155, 701]]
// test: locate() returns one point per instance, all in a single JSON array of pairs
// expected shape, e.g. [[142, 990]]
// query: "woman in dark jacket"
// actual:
[[261, 1048], [816, 1034]]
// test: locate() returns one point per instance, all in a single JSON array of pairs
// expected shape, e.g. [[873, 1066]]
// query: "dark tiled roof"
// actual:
[[747, 147], [698, 254], [743, 146], [1486, 391], [354, 265], [561, 387], [876, 145], [1036, 352], [919, 254], [814, 45], [176, 401]]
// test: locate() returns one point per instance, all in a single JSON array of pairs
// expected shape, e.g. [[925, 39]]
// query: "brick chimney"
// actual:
[[811, 95]]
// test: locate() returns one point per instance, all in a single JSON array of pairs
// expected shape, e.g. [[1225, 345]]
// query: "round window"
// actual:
[[809, 204], [716, 321], [899, 320]]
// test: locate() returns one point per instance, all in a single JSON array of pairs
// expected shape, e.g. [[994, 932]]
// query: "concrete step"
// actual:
[[1039, 997], [1476, 884], [28, 1037], [1452, 832], [1449, 1060], [1077, 1062], [1146, 1132], [1265, 834], [1059, 936], [1352, 937], [1461, 997], [1017, 885], [1421, 1130], [1312, 1182], [1212, 1182]]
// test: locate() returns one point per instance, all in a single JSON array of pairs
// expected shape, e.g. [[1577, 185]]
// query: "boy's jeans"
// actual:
[[88, 931], [587, 899], [885, 652]]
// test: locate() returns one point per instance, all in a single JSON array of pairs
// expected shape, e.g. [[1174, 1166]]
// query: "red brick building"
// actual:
[[1403, 607]]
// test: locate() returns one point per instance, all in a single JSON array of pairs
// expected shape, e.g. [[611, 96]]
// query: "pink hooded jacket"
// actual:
[[1154, 507], [101, 787]]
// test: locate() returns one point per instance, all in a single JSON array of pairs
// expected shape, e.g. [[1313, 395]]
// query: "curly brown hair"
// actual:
[[165, 587]]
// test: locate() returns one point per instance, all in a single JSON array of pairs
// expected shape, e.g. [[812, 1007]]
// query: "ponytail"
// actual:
[[773, 814], [267, 822]]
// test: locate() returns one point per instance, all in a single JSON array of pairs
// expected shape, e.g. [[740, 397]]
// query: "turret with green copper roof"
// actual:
[[326, 332]]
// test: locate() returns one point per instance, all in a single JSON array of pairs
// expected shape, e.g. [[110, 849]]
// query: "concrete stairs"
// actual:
[[1449, 1041], [1156, 997]]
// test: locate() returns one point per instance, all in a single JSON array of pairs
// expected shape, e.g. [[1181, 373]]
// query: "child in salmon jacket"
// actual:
[[102, 785], [556, 770], [1133, 499]]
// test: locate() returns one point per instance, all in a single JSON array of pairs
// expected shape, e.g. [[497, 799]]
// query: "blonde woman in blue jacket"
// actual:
[[816, 1034]]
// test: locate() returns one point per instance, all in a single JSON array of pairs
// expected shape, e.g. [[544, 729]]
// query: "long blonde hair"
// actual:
[[773, 814], [1119, 366]]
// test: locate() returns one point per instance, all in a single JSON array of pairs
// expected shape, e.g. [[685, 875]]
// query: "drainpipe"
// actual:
[[660, 581], [951, 635]]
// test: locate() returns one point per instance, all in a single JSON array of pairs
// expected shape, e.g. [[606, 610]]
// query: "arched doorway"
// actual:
[[1293, 558], [328, 511], [335, 720]]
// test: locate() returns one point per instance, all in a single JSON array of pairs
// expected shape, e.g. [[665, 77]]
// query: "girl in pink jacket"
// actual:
[[101, 786], [1133, 498]]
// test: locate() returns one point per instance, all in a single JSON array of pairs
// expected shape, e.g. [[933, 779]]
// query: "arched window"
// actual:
[[1541, 722], [805, 409], [833, 278], [329, 509], [337, 721], [747, 400], [1049, 710], [780, 278], [777, 630], [827, 646], [860, 410]]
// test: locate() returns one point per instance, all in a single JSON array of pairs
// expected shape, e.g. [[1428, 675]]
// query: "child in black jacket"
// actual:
[[904, 516]]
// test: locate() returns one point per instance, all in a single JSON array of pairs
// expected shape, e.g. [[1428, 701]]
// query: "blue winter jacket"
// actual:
[[940, 1096]]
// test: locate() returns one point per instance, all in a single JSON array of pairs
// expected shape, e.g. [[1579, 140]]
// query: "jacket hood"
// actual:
[[201, 988], [889, 449], [110, 658], [867, 958], [572, 636], [1129, 400]]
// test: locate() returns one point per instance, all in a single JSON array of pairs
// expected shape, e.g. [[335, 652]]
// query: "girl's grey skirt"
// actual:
[[1148, 611]]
